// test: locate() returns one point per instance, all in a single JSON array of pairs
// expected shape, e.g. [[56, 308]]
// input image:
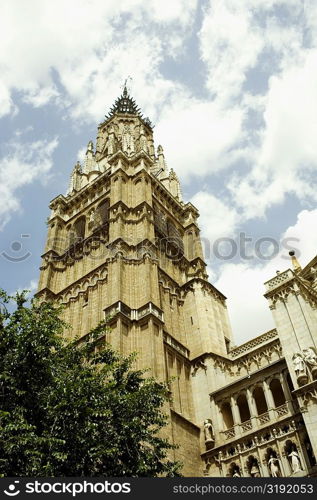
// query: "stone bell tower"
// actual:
[[122, 244]]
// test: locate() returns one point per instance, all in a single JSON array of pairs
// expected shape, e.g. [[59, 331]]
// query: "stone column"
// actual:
[[218, 423], [252, 408], [235, 415], [306, 463], [269, 399], [287, 392], [263, 466], [281, 457], [286, 464]]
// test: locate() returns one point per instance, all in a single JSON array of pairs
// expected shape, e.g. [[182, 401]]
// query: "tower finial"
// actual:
[[296, 265], [125, 86]]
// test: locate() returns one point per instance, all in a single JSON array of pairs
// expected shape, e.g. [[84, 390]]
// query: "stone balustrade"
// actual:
[[256, 422]]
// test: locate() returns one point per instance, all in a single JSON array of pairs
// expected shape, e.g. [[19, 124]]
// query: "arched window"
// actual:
[[99, 216], [79, 228], [103, 211], [175, 242], [227, 415], [260, 401], [277, 392], [243, 408]]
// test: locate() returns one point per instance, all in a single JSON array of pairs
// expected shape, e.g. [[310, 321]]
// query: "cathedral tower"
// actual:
[[122, 244]]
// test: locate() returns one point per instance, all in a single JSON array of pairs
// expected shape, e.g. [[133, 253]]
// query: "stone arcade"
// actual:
[[122, 244]]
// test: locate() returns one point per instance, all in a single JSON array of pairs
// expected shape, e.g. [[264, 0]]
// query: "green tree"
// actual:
[[71, 408]]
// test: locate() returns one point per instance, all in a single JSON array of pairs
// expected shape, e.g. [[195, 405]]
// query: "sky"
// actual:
[[231, 86]]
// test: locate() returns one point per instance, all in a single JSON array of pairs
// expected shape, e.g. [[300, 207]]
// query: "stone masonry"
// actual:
[[123, 245]]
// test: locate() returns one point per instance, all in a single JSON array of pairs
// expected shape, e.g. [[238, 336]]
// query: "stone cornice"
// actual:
[[177, 346], [160, 188], [246, 377], [119, 308], [71, 200], [91, 278], [278, 281], [125, 117], [253, 343], [47, 292], [287, 283], [306, 394], [206, 284]]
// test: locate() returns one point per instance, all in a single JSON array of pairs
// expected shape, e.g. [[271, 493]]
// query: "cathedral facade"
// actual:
[[123, 246]]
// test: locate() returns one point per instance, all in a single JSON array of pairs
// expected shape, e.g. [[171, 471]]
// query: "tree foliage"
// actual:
[[71, 408]]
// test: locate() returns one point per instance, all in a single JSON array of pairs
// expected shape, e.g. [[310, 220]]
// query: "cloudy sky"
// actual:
[[231, 86]]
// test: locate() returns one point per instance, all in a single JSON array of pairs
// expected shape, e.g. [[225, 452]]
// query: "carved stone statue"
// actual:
[[295, 461], [127, 140], [298, 362], [209, 431], [236, 472], [310, 357], [255, 471], [273, 464]]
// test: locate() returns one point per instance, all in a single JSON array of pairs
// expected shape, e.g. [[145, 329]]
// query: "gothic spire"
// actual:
[[126, 104]]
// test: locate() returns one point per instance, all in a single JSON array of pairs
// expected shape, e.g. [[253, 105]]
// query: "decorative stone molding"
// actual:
[[225, 365], [283, 294], [261, 357], [169, 340], [206, 286], [307, 395], [258, 439], [198, 365], [134, 314], [131, 215], [252, 344], [286, 284], [279, 280], [82, 286]]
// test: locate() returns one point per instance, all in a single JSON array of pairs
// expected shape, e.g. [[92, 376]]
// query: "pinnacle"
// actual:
[[127, 105]]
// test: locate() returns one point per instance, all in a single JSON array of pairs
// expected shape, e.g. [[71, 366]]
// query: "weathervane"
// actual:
[[125, 88]]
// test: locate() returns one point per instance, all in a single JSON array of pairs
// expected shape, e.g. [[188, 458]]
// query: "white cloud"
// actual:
[[198, 135], [230, 45], [281, 149], [6, 104], [248, 309], [243, 283], [216, 219], [305, 235], [40, 96], [22, 164], [90, 47], [31, 287], [286, 161], [81, 154]]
